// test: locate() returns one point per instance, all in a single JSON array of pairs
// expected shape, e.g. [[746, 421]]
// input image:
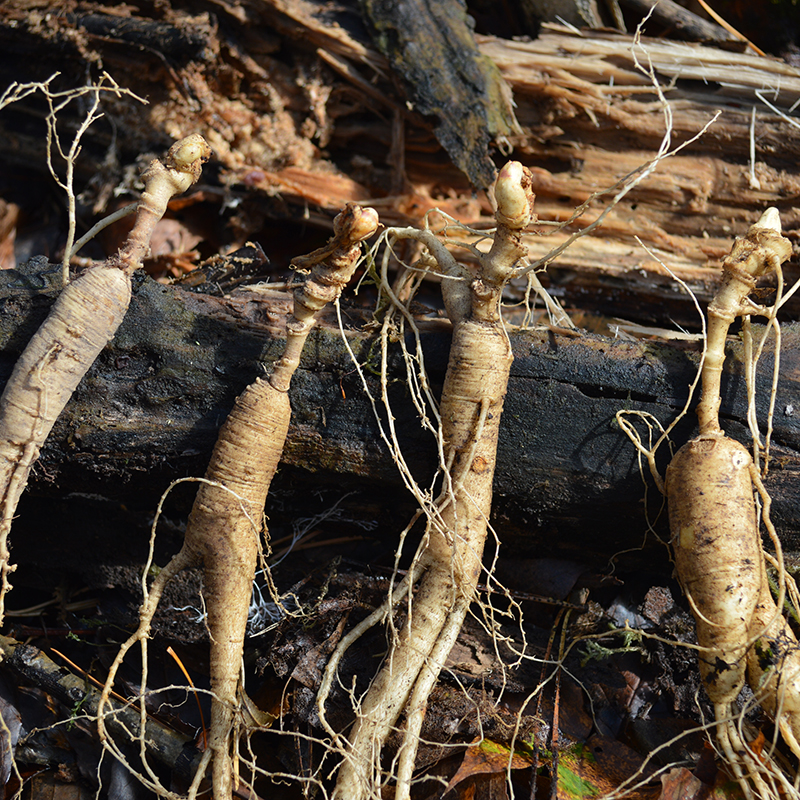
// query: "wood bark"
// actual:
[[567, 479]]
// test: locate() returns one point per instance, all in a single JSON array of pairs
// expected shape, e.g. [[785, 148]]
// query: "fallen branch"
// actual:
[[28, 663]]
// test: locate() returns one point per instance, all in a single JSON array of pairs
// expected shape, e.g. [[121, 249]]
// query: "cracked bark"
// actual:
[[567, 478]]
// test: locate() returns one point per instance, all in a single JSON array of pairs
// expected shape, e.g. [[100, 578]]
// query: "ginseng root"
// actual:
[[223, 534], [713, 521], [82, 321], [718, 560], [773, 668], [449, 563]]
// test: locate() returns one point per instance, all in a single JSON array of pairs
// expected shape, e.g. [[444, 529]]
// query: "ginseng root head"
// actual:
[[188, 155], [355, 223], [514, 196]]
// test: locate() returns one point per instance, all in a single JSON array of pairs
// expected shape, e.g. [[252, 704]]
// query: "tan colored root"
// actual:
[[717, 551], [449, 560], [773, 668], [223, 533], [163, 180], [712, 514], [82, 321], [714, 526], [141, 636], [762, 249], [80, 324], [418, 700], [750, 771], [223, 537]]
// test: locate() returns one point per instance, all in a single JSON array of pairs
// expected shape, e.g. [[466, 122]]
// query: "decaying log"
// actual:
[[149, 411], [590, 101], [304, 116], [588, 112], [431, 45], [682, 23]]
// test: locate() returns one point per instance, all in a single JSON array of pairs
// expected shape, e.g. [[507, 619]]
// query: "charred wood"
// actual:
[[567, 480]]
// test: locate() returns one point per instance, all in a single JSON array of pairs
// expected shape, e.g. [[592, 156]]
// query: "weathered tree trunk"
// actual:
[[149, 411]]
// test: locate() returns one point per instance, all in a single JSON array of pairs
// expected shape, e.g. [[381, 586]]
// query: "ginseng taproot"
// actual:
[[713, 522], [225, 527], [81, 323]]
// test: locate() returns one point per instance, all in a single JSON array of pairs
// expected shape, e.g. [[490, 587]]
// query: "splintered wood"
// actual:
[[592, 116], [298, 137]]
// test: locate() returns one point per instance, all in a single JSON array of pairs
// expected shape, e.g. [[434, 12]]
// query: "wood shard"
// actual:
[[431, 46]]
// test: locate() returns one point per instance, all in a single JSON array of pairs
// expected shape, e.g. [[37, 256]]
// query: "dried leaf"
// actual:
[[680, 784], [488, 757]]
